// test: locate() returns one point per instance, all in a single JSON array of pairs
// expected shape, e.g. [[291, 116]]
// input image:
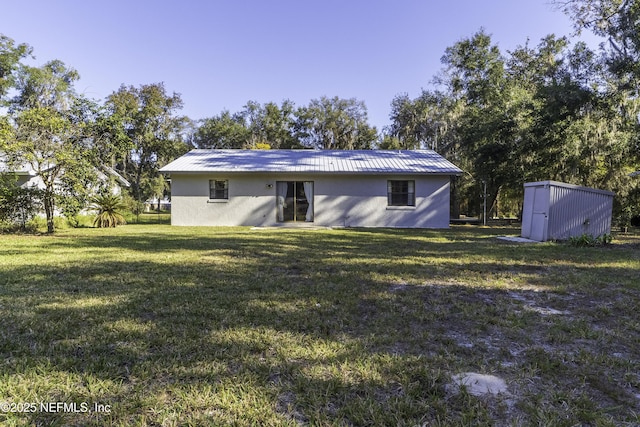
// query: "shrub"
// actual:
[[18, 205], [588, 240], [110, 208]]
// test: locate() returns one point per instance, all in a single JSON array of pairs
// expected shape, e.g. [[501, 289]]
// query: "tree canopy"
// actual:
[[326, 123], [552, 111], [152, 134]]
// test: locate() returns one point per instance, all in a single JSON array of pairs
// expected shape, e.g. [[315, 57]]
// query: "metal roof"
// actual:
[[313, 161], [568, 186]]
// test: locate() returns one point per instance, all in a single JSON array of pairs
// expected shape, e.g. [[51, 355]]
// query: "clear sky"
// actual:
[[219, 54]]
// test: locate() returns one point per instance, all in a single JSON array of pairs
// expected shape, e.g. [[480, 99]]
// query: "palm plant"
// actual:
[[109, 207]]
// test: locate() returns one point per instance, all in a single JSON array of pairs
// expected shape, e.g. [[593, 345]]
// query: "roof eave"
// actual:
[[252, 172]]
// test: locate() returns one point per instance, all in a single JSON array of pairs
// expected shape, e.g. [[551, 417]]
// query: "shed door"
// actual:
[[539, 217]]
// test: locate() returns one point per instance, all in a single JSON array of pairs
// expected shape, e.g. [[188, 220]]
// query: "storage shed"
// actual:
[[557, 211]]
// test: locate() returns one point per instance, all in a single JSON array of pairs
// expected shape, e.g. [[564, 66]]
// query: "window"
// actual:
[[218, 189], [401, 193]]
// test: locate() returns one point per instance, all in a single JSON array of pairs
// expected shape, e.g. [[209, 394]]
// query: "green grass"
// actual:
[[233, 326]]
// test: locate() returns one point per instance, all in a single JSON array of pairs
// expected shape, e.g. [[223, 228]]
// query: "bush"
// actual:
[[110, 208], [588, 240], [18, 205], [81, 221]]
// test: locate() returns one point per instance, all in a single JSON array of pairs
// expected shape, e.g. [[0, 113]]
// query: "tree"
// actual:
[[96, 136], [152, 134], [49, 86], [407, 123], [618, 21], [475, 78], [257, 125], [334, 123], [423, 122], [18, 205], [45, 139], [326, 123], [10, 56], [536, 113], [46, 133], [223, 131], [270, 125]]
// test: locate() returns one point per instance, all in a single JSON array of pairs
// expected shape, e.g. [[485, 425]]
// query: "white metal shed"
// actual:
[[557, 211]]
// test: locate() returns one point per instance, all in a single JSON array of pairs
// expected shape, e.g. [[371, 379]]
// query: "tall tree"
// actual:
[[408, 118], [618, 21], [270, 125], [10, 57], [223, 131], [49, 86], [536, 113], [423, 122], [475, 76], [154, 131], [335, 123], [46, 133]]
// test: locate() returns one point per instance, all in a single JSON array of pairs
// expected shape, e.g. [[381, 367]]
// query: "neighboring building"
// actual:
[[27, 176], [352, 188], [152, 204], [557, 211], [115, 181]]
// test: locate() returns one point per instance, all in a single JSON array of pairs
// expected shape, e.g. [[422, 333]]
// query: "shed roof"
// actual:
[[569, 186], [314, 161]]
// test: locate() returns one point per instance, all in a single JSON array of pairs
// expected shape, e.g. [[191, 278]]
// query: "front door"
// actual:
[[294, 201]]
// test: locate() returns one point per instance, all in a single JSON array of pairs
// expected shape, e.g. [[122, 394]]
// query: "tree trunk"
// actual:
[[49, 210]]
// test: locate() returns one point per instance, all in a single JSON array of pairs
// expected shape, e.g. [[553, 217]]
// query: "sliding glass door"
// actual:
[[294, 201]]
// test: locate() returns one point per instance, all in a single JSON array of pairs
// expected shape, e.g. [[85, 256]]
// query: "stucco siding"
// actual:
[[339, 200]]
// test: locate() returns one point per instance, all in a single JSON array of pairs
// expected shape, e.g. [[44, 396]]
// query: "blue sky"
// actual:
[[220, 54]]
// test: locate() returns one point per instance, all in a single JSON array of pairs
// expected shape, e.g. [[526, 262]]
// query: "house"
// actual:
[[557, 211], [26, 176], [352, 188], [112, 179]]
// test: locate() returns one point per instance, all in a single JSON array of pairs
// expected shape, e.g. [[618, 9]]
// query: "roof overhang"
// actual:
[[313, 162]]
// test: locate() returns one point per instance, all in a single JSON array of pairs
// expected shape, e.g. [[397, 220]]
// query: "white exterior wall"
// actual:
[[558, 211], [30, 181], [339, 200]]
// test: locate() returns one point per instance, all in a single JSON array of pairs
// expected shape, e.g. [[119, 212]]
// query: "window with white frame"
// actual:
[[218, 189], [401, 193]]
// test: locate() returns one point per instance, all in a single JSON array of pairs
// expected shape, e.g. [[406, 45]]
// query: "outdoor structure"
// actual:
[[557, 211], [26, 176], [350, 188]]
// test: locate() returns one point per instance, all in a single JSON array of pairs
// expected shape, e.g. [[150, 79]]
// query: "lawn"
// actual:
[[153, 325]]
